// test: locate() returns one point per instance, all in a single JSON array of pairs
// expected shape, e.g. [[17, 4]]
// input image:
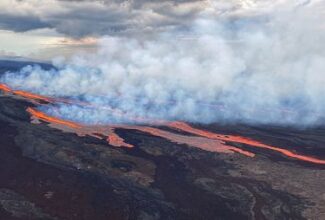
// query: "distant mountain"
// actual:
[[15, 65]]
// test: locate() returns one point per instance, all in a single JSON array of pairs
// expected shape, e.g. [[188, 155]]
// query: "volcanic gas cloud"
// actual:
[[259, 68], [195, 137], [262, 68]]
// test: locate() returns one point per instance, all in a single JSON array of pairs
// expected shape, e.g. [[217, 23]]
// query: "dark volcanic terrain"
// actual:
[[46, 173]]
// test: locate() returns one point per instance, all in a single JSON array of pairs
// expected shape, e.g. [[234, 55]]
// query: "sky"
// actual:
[[49, 28]]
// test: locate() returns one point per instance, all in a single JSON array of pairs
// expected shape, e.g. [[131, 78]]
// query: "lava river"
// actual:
[[194, 137]]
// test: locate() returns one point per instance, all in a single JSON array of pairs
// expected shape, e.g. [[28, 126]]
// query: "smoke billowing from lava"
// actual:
[[255, 69]]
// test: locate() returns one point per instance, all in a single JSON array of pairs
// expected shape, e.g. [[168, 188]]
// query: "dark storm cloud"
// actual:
[[21, 23], [79, 18]]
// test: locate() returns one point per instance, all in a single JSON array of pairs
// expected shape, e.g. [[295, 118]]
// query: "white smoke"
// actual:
[[261, 69]]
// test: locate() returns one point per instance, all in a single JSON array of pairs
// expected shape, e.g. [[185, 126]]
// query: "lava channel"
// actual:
[[242, 140]]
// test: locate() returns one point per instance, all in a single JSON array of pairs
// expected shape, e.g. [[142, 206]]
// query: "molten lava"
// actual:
[[198, 138], [242, 140], [198, 142], [116, 141], [42, 116], [32, 96], [25, 94], [5, 88], [112, 138]]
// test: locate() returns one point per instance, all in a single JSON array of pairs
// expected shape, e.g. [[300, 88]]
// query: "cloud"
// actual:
[[120, 17], [20, 23], [96, 18]]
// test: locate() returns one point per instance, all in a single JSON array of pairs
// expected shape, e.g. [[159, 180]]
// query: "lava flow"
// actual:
[[114, 140], [198, 138], [33, 96], [5, 88], [42, 116], [242, 140], [25, 94], [198, 142]]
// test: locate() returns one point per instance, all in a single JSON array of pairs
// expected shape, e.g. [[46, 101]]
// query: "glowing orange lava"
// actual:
[[211, 142], [116, 141], [238, 139], [198, 142], [5, 88], [25, 94], [203, 139], [50, 119], [112, 138], [33, 96]]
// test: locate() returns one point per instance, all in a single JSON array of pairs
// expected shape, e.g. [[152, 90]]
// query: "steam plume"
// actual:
[[262, 69]]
